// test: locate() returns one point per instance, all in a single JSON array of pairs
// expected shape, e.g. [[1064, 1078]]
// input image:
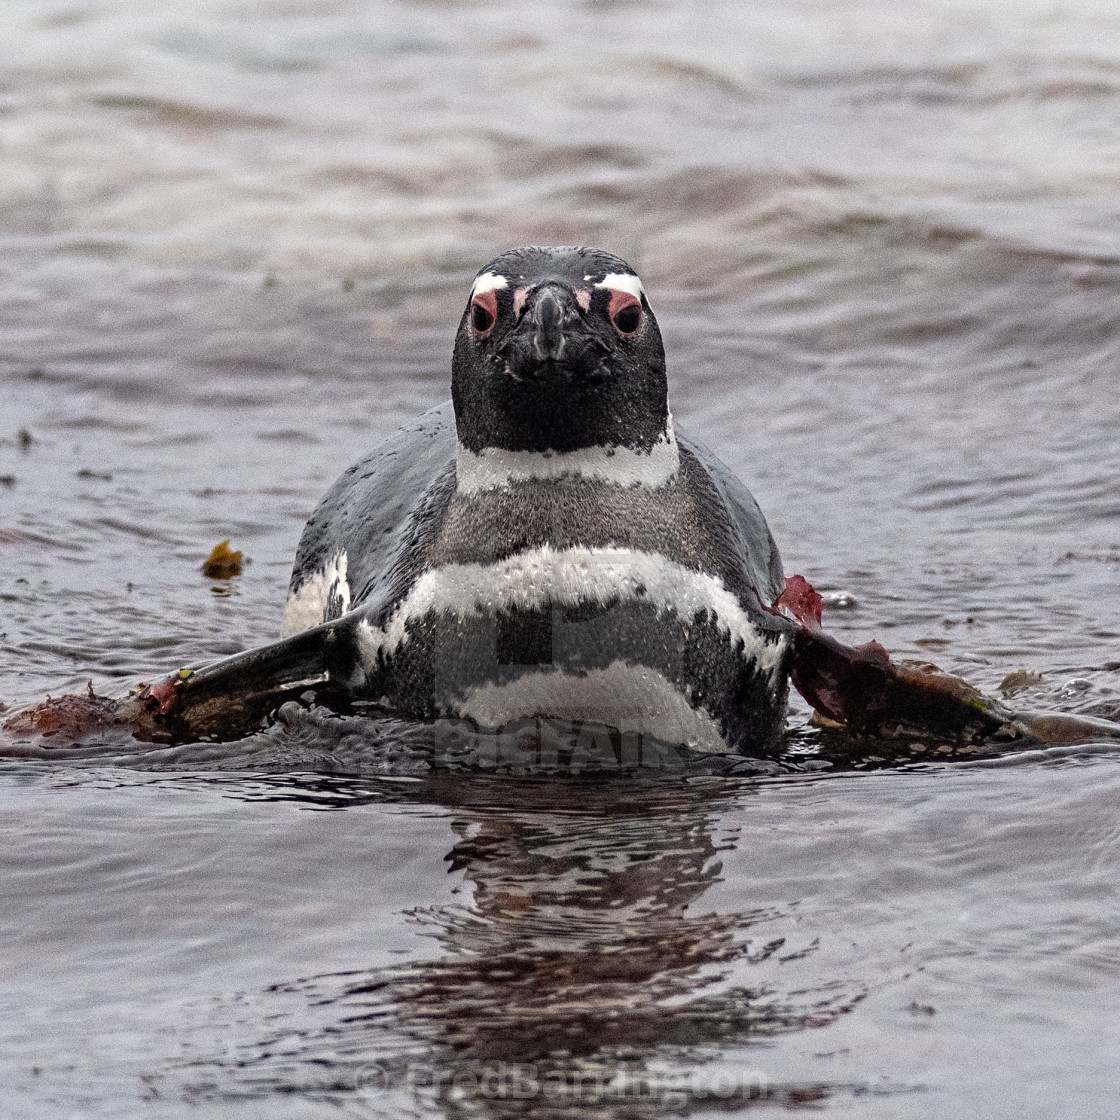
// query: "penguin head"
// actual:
[[557, 350]]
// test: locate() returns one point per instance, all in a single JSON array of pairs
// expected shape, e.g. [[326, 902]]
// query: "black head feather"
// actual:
[[558, 349]]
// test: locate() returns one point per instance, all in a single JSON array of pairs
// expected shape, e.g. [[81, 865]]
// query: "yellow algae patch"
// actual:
[[223, 562]]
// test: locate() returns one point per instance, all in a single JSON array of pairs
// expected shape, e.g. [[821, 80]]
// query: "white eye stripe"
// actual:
[[622, 282], [613, 281], [489, 282]]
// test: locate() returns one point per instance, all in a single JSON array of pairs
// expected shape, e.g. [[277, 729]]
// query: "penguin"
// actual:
[[548, 543]]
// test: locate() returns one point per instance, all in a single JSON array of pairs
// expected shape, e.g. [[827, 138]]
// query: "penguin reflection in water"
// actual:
[[550, 544]]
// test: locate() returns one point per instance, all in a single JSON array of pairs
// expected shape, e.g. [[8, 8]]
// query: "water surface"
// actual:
[[882, 245]]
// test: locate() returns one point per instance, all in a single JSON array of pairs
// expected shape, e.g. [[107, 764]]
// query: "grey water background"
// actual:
[[883, 244]]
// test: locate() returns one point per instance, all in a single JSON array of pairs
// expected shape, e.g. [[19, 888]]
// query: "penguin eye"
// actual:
[[626, 313], [628, 319], [484, 314]]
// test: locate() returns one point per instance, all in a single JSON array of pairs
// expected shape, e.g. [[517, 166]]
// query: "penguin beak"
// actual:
[[546, 322], [551, 338]]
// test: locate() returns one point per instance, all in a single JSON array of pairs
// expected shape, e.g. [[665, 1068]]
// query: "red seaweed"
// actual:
[[802, 601], [69, 715], [862, 688]]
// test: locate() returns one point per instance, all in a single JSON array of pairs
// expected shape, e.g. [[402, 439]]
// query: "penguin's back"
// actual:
[[362, 530]]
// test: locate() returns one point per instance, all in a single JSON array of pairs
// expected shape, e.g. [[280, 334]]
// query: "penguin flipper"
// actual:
[[233, 697], [867, 692]]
